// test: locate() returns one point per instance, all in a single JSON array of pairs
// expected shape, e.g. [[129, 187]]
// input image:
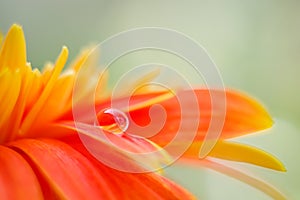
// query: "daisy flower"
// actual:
[[42, 155]]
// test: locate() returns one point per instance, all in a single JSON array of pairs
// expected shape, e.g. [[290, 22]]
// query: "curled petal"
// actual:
[[240, 153], [246, 153]]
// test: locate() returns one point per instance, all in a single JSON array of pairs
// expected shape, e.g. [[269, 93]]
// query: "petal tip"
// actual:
[[13, 49], [16, 27], [65, 48], [281, 167], [245, 115], [268, 121], [16, 32]]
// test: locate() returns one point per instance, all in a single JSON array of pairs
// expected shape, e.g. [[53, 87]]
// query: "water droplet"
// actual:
[[113, 120]]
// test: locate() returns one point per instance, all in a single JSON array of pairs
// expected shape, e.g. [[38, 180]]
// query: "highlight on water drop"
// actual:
[[113, 120]]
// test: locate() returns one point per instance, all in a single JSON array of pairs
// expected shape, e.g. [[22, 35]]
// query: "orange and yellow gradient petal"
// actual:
[[56, 166], [38, 104]]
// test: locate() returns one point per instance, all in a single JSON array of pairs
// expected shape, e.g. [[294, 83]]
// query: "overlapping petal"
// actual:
[[37, 104], [244, 115], [66, 170], [17, 178], [155, 186]]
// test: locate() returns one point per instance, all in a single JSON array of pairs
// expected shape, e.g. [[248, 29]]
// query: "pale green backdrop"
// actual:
[[255, 44]]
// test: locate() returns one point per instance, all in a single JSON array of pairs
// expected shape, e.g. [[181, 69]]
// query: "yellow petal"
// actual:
[[86, 80], [53, 108], [29, 87], [13, 49], [33, 113], [245, 153], [247, 178], [10, 84], [80, 60], [1, 37], [141, 85]]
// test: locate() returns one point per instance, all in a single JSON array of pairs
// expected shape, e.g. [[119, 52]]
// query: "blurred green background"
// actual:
[[255, 44]]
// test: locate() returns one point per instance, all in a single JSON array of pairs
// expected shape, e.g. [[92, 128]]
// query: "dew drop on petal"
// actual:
[[113, 120]]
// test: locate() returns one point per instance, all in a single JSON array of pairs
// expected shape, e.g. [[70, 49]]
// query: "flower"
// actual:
[[42, 160], [41, 149]]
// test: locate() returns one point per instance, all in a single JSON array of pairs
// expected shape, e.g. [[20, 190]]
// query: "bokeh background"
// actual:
[[255, 44]]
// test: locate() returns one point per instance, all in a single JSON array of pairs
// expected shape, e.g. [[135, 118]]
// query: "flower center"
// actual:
[[113, 120]]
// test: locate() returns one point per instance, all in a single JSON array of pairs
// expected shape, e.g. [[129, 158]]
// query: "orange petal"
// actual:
[[63, 172], [129, 186], [17, 179], [243, 115], [72, 173], [122, 151]]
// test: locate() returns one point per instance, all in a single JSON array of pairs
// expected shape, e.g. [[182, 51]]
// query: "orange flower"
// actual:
[[39, 162], [43, 156]]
